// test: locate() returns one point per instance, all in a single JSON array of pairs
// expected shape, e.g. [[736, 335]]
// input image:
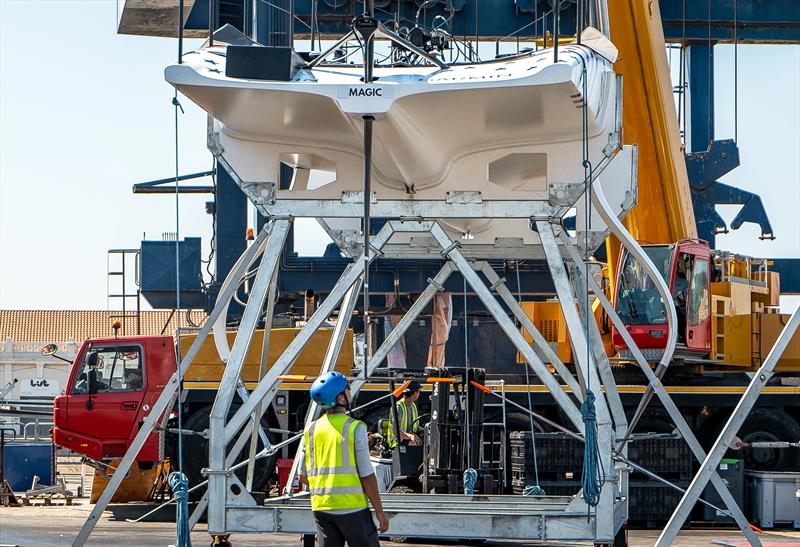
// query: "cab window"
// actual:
[[698, 294], [638, 299], [116, 368]]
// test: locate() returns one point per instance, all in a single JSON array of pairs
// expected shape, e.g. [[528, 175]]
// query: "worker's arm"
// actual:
[[370, 486], [366, 474], [301, 469]]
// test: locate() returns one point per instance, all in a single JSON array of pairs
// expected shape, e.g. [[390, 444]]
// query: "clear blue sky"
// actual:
[[86, 113]]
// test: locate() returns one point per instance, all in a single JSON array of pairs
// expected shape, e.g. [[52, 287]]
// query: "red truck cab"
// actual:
[[686, 268], [112, 386]]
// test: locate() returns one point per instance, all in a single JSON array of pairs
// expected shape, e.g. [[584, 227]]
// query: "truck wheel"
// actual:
[[770, 425], [195, 453]]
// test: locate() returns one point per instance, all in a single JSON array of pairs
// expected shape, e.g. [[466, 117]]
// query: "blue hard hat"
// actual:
[[327, 387]]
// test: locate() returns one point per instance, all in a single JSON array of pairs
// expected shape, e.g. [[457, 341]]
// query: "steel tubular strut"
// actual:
[[233, 368], [601, 359], [262, 368], [434, 286], [328, 364], [502, 290], [491, 304], [290, 354], [586, 362], [666, 400], [617, 455], [655, 382], [266, 388], [202, 505], [161, 405], [746, 403]]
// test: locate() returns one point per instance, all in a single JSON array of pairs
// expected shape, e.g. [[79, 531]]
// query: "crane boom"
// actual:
[[664, 212]]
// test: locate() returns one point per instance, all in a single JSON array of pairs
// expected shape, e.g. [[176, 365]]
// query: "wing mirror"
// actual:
[[50, 351]]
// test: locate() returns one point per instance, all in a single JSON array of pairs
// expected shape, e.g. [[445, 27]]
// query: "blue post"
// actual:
[[701, 95]]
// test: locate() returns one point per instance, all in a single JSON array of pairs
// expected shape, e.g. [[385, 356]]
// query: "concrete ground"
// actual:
[[58, 525]]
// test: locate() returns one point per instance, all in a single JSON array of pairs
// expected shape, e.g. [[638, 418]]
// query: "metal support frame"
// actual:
[[328, 364], [499, 286], [708, 468], [262, 369], [229, 508], [587, 374], [165, 400], [654, 381], [241, 344], [578, 277]]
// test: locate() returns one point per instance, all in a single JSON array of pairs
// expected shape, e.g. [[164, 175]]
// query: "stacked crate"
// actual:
[[560, 460]]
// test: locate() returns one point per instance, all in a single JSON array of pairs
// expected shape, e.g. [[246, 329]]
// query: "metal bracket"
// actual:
[[500, 281], [450, 248], [564, 194], [439, 287], [260, 193]]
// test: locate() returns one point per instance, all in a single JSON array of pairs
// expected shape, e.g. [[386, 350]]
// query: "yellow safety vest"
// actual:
[[405, 424], [333, 479]]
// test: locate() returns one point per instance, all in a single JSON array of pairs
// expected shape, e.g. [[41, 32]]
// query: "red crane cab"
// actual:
[[687, 269], [112, 387]]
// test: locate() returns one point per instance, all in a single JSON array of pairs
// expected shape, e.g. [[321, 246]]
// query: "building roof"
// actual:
[[78, 325]]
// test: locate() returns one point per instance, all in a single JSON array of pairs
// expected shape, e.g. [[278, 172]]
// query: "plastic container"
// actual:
[[731, 472], [284, 468], [772, 498]]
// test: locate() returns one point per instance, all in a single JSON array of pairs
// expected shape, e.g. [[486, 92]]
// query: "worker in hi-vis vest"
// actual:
[[335, 465], [408, 417]]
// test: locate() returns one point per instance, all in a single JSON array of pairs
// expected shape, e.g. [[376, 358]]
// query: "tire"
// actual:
[[195, 452], [769, 425]]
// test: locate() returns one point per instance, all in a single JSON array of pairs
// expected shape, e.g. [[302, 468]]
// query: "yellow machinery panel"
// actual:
[[740, 295], [548, 319], [738, 347], [772, 297], [771, 326], [207, 366]]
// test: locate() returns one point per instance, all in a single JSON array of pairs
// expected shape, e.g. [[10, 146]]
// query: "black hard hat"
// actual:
[[412, 387]]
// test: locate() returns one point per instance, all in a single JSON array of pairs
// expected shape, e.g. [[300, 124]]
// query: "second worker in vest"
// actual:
[[335, 465], [408, 417]]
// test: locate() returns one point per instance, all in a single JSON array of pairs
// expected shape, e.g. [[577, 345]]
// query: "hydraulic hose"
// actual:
[[632, 246]]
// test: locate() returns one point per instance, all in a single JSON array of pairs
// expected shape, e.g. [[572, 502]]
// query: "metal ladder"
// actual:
[[119, 288], [499, 385]]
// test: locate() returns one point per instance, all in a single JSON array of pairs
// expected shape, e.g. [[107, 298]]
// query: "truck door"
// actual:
[[108, 411], [698, 316]]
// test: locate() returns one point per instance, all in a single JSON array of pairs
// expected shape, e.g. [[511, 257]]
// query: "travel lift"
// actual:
[[231, 508]]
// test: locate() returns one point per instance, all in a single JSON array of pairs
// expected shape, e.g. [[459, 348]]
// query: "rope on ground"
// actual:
[[180, 492], [470, 478], [593, 473]]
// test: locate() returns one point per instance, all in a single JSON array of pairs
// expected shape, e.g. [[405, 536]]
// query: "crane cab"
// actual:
[[112, 387], [685, 266]]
